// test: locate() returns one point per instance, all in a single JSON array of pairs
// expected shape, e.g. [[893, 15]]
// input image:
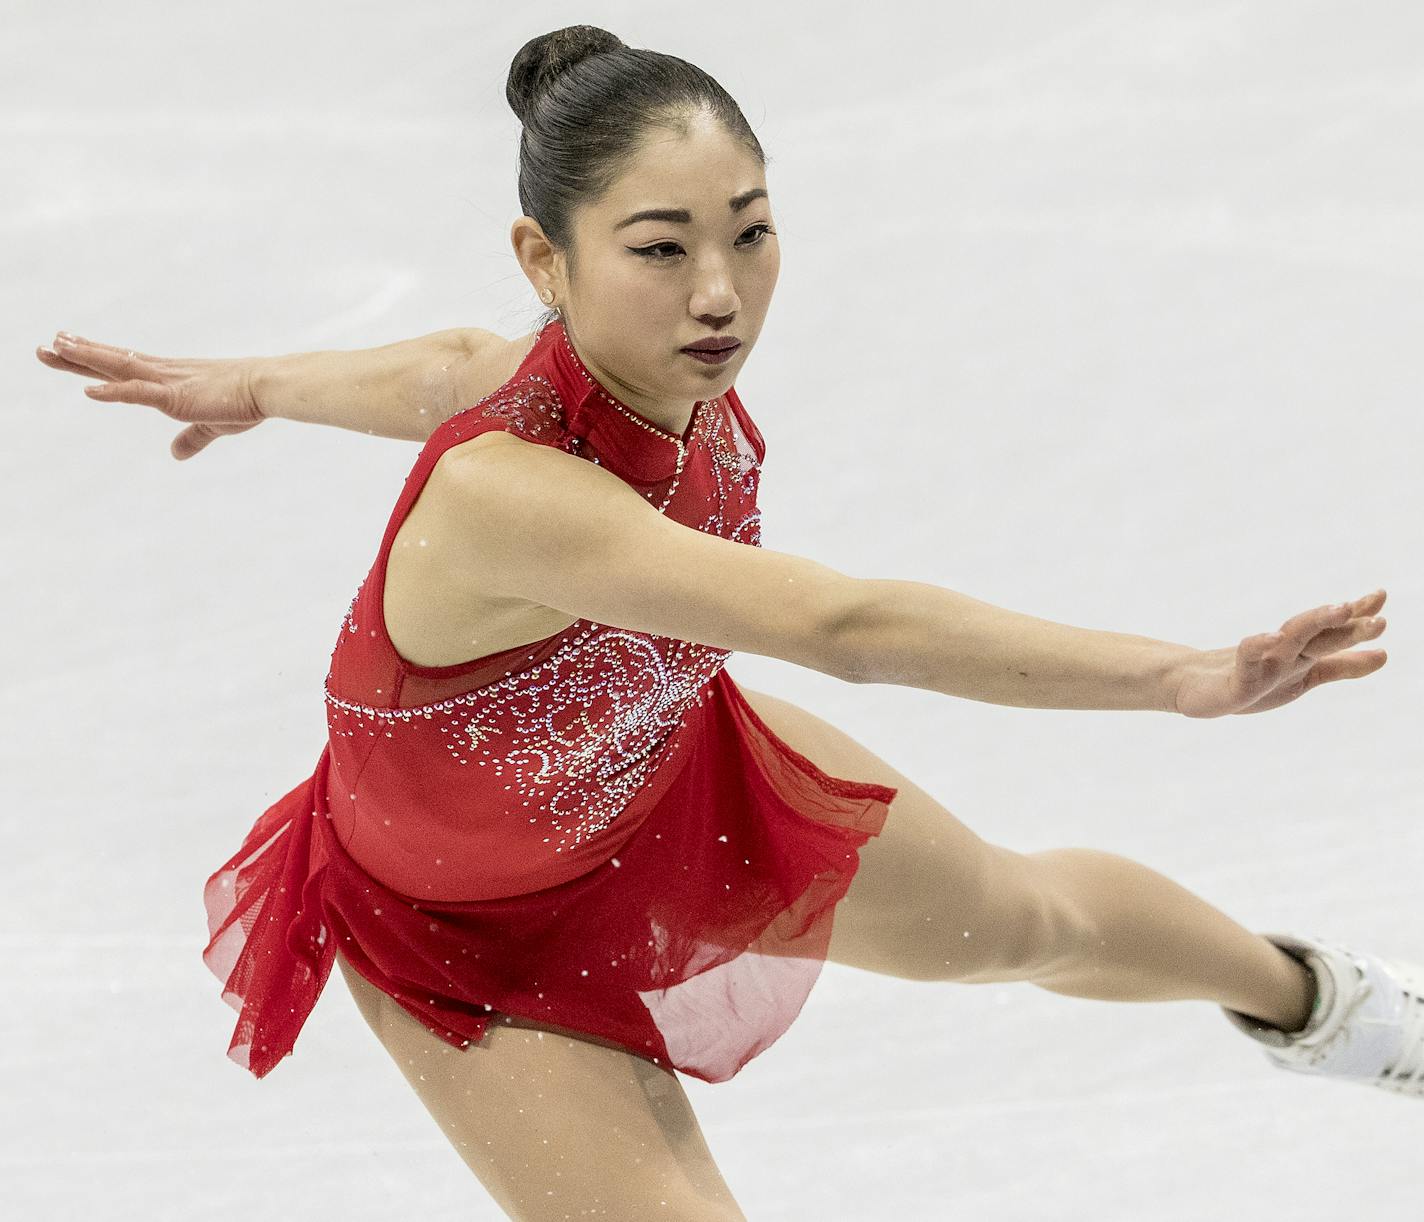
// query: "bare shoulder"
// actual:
[[500, 487], [461, 468], [490, 361], [465, 467]]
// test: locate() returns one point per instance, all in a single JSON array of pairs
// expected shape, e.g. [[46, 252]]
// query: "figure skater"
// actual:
[[559, 855]]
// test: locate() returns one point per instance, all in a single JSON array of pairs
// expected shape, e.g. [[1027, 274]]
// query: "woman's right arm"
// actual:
[[402, 390]]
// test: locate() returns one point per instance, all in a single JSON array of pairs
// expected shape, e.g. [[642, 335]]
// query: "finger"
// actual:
[[150, 394], [1300, 630], [1356, 624], [192, 439], [1363, 628], [109, 361], [76, 352], [1353, 665], [1331, 640], [64, 339], [1369, 604], [54, 361]]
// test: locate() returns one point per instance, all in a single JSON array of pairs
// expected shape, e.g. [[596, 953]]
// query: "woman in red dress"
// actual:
[[550, 811]]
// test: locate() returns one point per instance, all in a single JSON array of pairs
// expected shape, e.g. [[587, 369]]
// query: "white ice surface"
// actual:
[[1105, 312]]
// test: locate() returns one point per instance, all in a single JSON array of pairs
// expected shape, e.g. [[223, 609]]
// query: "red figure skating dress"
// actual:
[[594, 832]]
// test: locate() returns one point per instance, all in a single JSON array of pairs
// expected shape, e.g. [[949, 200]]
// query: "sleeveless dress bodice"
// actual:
[[538, 761], [594, 832]]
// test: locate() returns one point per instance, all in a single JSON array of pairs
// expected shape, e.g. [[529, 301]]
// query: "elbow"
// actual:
[[840, 640]]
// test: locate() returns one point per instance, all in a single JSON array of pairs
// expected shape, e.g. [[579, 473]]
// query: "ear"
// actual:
[[543, 265]]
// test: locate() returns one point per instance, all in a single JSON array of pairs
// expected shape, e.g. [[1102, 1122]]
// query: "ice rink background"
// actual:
[[1105, 312]]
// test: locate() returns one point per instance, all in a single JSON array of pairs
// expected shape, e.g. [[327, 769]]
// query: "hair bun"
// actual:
[[540, 60]]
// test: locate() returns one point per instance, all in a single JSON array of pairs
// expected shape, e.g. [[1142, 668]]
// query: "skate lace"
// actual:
[[1342, 1034], [1409, 1066]]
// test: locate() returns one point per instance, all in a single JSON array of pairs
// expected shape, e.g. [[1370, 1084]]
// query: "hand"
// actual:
[[213, 397], [1267, 671]]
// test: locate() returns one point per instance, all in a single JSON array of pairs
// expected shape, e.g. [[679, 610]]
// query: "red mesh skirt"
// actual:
[[695, 946]]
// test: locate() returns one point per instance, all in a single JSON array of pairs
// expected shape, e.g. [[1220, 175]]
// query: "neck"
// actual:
[[670, 418]]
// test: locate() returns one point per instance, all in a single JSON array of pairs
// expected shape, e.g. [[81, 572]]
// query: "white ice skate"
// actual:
[[1367, 1024]]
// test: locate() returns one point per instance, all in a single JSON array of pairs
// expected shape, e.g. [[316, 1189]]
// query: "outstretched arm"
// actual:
[[918, 635], [401, 390]]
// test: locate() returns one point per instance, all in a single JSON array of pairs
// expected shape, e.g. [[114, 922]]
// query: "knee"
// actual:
[[1033, 926], [1057, 928]]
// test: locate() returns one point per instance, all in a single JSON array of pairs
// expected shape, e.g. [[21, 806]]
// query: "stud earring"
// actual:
[[547, 295]]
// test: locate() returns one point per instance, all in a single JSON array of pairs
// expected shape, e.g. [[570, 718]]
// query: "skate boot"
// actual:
[[1367, 1025]]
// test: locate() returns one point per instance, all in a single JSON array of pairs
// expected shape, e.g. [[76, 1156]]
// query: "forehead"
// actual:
[[699, 170]]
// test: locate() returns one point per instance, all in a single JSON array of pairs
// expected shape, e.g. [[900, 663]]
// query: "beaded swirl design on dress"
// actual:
[[578, 735]]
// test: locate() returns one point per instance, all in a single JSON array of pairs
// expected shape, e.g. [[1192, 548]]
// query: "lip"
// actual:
[[716, 356], [715, 343]]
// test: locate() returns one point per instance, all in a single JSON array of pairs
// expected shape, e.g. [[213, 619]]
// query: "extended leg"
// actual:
[[1151, 939], [932, 900]]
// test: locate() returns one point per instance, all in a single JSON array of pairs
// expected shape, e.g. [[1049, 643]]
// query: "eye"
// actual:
[[651, 252]]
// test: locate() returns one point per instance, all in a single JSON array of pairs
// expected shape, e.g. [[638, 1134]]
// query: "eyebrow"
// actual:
[[683, 216]]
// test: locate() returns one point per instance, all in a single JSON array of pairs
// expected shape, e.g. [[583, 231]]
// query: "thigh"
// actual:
[[931, 899], [556, 1127]]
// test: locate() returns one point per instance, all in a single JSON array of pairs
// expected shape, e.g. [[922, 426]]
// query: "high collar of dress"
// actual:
[[634, 446]]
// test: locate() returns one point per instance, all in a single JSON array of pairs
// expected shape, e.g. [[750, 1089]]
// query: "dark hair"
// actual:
[[586, 100]]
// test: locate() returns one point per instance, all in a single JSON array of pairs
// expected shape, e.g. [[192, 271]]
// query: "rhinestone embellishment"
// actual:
[[575, 737]]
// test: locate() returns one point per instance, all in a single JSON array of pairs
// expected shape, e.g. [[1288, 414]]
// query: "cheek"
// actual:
[[775, 269], [757, 282], [635, 287]]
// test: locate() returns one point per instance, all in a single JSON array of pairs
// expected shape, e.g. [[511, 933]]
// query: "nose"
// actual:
[[716, 321], [715, 301]]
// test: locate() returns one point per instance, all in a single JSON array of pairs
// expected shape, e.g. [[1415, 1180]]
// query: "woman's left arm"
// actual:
[[402, 390]]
